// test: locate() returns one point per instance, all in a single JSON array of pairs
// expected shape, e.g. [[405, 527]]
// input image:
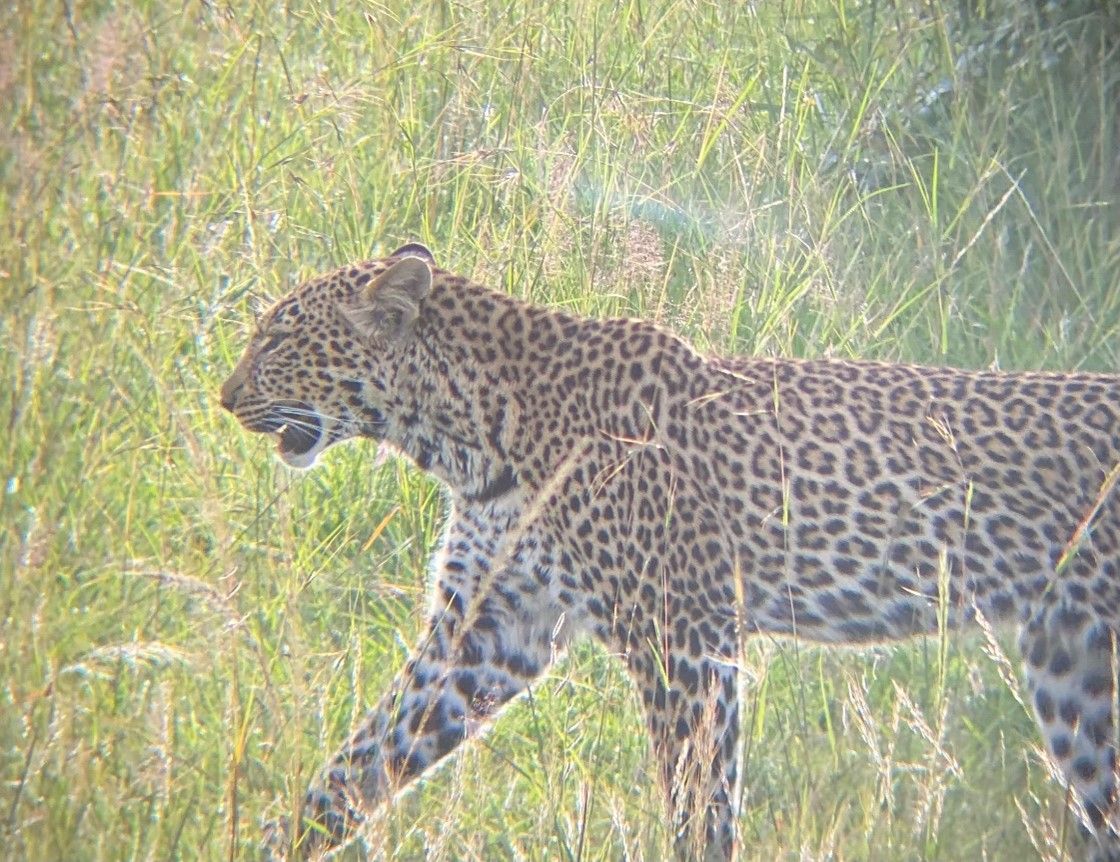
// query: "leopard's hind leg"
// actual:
[[1070, 656]]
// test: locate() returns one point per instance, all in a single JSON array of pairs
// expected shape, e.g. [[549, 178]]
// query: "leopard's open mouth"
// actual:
[[297, 440], [297, 426]]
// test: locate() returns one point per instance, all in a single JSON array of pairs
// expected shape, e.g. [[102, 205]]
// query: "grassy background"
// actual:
[[188, 628]]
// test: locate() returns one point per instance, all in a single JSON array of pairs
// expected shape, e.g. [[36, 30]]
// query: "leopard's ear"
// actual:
[[388, 306], [415, 249]]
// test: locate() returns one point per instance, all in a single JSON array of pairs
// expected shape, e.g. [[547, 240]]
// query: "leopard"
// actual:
[[604, 479]]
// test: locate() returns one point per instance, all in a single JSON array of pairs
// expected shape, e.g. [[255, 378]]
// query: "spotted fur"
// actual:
[[605, 478]]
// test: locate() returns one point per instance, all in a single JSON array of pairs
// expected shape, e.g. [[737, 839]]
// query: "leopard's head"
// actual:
[[325, 363]]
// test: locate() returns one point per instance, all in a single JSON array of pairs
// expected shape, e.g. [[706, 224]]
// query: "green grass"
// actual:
[[188, 628]]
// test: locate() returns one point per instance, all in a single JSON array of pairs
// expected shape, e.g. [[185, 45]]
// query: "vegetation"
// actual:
[[188, 627]]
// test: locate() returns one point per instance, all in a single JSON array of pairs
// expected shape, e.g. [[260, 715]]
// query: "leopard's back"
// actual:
[[858, 500]]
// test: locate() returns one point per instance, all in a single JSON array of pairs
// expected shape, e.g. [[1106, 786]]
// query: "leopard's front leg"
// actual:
[[493, 629]]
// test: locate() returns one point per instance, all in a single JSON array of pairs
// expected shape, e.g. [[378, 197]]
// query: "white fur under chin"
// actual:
[[299, 462]]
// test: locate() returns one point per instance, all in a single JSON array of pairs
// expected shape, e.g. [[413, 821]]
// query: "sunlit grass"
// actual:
[[188, 628]]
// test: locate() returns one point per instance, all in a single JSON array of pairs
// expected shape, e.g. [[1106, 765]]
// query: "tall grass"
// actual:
[[188, 627]]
